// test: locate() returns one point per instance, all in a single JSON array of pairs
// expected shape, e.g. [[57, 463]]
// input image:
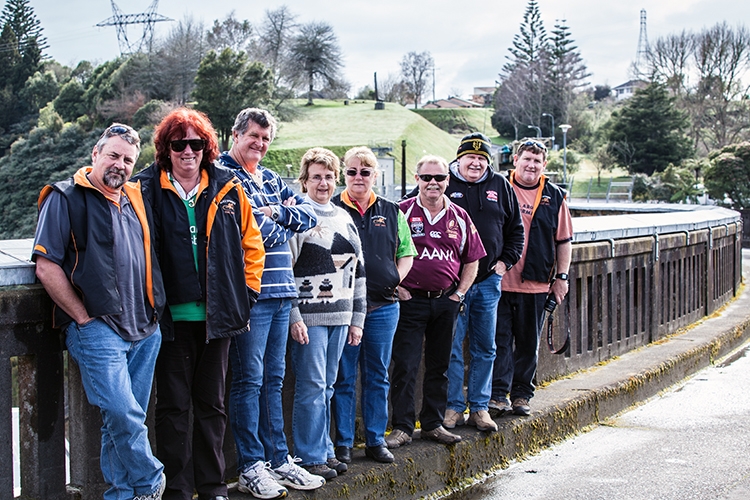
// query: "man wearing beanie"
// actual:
[[491, 202]]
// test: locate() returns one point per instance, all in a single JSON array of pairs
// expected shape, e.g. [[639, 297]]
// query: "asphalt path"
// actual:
[[690, 442]]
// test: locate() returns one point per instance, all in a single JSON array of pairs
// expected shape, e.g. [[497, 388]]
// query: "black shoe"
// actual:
[[339, 467], [344, 454], [379, 454]]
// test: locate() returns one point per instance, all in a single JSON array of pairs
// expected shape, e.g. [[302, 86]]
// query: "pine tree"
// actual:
[[567, 71], [648, 133], [20, 16]]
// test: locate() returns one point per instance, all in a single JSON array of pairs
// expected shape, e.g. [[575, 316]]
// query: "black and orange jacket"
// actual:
[[89, 260], [230, 248]]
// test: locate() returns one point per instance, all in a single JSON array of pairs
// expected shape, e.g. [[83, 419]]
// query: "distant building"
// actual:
[[453, 102], [627, 89], [483, 96]]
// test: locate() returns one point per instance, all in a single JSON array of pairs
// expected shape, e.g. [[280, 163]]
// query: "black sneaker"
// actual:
[[339, 467], [521, 407]]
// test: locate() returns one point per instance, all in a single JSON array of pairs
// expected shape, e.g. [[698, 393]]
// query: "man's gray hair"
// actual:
[[260, 117], [124, 132]]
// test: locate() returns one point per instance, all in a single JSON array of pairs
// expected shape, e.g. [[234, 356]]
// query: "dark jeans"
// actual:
[[189, 369], [519, 319], [432, 321]]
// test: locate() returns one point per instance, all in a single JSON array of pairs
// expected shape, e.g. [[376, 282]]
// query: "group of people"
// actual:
[[208, 260]]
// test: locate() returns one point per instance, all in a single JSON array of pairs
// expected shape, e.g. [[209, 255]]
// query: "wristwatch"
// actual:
[[275, 212], [461, 296], [562, 276]]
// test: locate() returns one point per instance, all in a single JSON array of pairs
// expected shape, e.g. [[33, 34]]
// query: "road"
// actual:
[[690, 442]]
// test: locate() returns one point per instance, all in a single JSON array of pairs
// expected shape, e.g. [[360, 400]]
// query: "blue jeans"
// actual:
[[316, 365], [477, 320], [373, 356], [258, 364], [117, 376]]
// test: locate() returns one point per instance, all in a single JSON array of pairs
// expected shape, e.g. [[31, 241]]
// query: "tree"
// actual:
[[727, 179], [179, 57], [40, 89], [230, 33], [415, 72], [601, 92], [316, 55], [274, 43], [227, 83], [567, 72], [669, 58], [69, 102], [20, 16], [653, 127]]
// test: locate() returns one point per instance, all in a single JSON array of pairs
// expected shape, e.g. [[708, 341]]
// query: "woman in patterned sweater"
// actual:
[[329, 311]]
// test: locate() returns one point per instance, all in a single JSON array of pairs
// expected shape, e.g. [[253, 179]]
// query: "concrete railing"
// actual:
[[635, 278]]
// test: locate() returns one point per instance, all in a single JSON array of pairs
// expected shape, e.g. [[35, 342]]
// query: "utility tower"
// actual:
[[121, 22], [641, 56]]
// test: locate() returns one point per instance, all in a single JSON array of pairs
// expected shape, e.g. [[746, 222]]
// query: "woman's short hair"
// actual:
[[365, 156], [175, 125], [323, 156]]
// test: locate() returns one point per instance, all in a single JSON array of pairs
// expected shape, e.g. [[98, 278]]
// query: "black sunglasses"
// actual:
[[352, 172], [429, 177], [179, 145], [535, 143]]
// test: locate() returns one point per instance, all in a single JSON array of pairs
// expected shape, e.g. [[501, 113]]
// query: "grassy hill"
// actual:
[[460, 121], [338, 127]]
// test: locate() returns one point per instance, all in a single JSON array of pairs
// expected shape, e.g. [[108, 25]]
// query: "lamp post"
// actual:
[[538, 130], [565, 127], [552, 130]]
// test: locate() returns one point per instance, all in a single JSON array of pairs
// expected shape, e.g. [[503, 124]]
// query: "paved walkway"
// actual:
[[559, 410]]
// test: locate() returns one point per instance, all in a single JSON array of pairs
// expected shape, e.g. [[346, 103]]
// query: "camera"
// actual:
[[550, 304]]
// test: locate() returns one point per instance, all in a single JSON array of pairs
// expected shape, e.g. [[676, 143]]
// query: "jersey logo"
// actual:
[[436, 254], [417, 226], [227, 206], [435, 234], [545, 200], [492, 196], [378, 220], [452, 230], [456, 195]]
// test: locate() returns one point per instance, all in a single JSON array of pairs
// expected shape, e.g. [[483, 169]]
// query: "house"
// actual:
[[483, 96], [627, 89]]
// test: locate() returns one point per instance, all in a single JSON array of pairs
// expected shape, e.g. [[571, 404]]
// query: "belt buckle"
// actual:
[[435, 295]]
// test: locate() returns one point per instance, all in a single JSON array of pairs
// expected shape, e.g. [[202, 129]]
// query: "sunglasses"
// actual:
[[535, 143], [127, 133], [179, 145], [429, 177], [352, 172]]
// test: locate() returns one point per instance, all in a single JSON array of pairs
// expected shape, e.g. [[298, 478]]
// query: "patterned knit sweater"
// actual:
[[329, 271]]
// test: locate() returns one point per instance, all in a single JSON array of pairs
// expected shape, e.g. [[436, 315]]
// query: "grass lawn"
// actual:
[[587, 171], [338, 127]]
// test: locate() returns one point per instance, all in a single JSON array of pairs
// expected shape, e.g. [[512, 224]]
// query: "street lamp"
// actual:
[[552, 130], [538, 130], [565, 127]]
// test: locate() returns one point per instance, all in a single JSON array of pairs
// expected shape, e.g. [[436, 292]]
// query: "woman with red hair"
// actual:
[[202, 218]]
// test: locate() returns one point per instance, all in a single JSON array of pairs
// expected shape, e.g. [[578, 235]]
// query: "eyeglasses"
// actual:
[[128, 134], [429, 177], [352, 172], [535, 143], [179, 145], [317, 179]]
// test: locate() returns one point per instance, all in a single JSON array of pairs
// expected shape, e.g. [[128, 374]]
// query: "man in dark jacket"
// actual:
[[492, 205], [94, 256]]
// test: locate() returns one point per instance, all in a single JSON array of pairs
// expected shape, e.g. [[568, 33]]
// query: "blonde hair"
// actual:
[[323, 156], [365, 156], [432, 159]]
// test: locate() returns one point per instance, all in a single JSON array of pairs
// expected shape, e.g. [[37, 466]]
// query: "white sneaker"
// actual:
[[258, 481], [292, 475], [156, 495]]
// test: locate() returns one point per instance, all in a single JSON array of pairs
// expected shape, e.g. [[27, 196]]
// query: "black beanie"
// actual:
[[477, 144]]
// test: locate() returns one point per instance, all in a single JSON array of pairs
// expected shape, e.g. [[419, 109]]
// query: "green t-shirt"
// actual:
[[190, 311]]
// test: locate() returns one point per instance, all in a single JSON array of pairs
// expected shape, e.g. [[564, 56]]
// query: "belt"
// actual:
[[433, 294]]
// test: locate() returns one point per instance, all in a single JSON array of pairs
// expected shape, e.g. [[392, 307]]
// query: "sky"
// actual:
[[469, 42]]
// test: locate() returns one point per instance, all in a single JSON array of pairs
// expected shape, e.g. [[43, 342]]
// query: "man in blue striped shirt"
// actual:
[[258, 356]]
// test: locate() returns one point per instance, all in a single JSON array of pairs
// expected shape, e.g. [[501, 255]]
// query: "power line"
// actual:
[[121, 21]]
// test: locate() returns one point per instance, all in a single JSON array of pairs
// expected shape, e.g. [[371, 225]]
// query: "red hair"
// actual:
[[175, 125]]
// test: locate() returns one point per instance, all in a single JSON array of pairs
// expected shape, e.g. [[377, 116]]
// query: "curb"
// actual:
[[561, 409]]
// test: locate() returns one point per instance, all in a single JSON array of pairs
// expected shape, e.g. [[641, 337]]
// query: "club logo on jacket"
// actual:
[[545, 200], [456, 194], [492, 195], [378, 220], [227, 206]]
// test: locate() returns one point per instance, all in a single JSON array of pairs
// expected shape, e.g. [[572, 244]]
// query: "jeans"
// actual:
[[373, 356], [258, 364], [519, 319], [316, 365], [191, 375], [117, 376], [431, 321], [477, 320]]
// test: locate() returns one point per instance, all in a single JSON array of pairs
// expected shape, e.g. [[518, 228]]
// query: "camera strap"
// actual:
[[550, 340]]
